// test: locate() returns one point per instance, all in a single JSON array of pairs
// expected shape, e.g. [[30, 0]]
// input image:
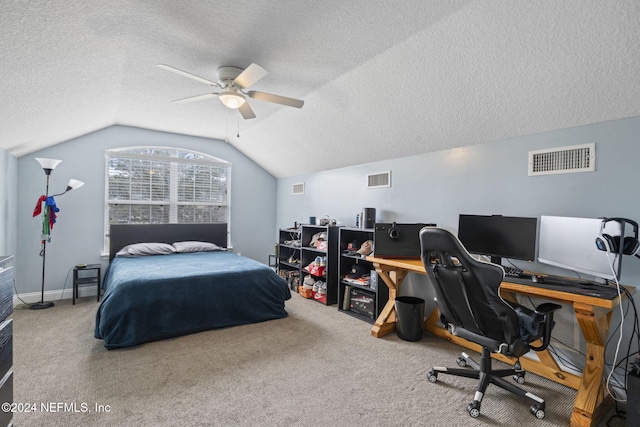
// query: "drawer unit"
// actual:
[[6, 346], [6, 337], [6, 288]]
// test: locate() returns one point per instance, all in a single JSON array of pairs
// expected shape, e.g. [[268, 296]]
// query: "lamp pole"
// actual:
[[48, 165], [42, 304]]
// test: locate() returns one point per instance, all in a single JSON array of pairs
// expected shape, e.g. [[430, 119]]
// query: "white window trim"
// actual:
[[209, 161]]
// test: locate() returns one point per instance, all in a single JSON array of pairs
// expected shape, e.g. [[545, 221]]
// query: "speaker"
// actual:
[[393, 240], [608, 243], [368, 217]]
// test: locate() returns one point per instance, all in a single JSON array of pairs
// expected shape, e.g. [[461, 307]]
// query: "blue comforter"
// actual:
[[154, 297]]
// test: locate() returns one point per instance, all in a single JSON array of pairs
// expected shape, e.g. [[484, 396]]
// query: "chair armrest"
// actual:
[[546, 310], [547, 307]]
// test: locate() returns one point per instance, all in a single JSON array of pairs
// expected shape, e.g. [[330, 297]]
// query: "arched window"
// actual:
[[163, 185]]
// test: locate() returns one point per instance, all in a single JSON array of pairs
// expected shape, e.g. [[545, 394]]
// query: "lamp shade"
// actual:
[[48, 164], [232, 100], [73, 184]]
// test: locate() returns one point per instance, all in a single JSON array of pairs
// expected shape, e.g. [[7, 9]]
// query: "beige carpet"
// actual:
[[317, 367]]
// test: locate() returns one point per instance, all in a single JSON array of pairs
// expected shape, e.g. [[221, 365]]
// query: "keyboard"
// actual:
[[578, 287], [512, 271]]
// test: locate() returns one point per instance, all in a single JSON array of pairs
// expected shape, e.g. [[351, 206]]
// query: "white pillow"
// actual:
[[142, 249], [194, 246]]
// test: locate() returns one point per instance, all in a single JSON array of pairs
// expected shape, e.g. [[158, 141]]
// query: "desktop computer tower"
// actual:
[[633, 400]]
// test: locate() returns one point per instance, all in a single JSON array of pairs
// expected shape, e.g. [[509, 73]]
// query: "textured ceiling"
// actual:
[[380, 79]]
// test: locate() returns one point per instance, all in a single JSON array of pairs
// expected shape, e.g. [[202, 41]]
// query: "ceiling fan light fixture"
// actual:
[[232, 100]]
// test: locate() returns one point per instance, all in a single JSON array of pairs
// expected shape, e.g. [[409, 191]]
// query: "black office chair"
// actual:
[[467, 295]]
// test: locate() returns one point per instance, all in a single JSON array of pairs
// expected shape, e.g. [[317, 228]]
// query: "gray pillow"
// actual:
[[194, 246], [142, 249]]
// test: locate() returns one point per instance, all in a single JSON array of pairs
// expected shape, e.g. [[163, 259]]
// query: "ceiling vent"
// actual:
[[577, 158], [379, 180], [297, 188]]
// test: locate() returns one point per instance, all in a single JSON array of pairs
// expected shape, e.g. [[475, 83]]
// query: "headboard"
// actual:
[[121, 235]]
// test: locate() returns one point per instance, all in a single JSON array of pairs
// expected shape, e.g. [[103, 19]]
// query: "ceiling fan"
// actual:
[[233, 82]]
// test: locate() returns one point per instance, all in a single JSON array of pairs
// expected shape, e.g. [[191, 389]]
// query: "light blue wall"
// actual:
[[77, 237], [8, 200], [491, 178]]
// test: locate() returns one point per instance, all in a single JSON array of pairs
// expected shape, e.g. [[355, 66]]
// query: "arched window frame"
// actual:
[[165, 185]]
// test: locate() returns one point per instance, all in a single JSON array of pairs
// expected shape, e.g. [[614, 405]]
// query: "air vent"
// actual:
[[577, 158], [298, 188], [379, 180]]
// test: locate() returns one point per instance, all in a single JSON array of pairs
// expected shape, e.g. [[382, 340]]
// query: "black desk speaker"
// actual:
[[397, 240]]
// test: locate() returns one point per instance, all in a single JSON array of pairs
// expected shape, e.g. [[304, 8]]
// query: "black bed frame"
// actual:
[[121, 235]]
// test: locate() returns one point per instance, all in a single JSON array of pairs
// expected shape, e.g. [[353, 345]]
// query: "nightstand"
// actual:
[[86, 275]]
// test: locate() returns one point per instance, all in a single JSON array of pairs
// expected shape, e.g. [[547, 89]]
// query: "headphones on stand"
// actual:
[[611, 244]]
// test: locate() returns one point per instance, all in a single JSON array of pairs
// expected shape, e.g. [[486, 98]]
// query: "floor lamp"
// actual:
[[47, 221]]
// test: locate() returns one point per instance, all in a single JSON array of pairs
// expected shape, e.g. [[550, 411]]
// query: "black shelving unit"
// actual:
[[288, 256], [309, 254], [354, 298]]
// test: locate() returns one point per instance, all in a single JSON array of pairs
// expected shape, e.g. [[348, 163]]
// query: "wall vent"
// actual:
[[297, 188], [577, 158], [379, 180]]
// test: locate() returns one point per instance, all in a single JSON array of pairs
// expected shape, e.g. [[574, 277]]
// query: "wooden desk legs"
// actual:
[[594, 320], [386, 322], [594, 324]]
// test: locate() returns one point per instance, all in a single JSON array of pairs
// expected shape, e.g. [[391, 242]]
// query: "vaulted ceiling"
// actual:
[[380, 79]]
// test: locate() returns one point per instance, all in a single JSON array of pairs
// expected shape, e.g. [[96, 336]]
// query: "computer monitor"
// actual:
[[499, 236], [570, 243]]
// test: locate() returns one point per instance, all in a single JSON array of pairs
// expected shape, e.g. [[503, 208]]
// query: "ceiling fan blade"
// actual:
[[185, 74], [249, 76], [262, 96], [246, 111], [195, 98]]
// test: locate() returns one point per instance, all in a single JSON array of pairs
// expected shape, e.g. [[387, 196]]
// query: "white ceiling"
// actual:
[[380, 79]]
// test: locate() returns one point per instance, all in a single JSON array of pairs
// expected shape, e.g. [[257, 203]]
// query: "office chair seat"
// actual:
[[470, 305]]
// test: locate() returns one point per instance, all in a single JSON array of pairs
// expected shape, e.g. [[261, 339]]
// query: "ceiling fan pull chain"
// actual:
[[226, 125], [238, 133]]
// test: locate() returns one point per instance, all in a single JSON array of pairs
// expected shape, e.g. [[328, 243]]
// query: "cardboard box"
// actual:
[[305, 293]]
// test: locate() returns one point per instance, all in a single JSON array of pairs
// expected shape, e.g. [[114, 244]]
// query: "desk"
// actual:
[[593, 315]]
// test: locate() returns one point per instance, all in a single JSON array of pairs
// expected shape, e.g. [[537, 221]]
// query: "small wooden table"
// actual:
[[593, 315]]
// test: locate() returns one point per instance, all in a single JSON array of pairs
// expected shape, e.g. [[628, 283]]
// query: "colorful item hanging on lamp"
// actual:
[[49, 214]]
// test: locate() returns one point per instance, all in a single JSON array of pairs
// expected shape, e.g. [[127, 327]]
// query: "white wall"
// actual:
[[77, 237]]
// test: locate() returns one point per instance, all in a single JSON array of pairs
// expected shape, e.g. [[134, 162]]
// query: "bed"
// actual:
[[154, 297]]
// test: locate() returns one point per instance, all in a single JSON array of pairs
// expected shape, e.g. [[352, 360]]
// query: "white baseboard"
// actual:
[[31, 297]]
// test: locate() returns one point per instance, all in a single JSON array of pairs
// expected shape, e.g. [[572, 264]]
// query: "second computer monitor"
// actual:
[[499, 236]]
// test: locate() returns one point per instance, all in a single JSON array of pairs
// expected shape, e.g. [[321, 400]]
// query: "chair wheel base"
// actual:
[[537, 411], [474, 409]]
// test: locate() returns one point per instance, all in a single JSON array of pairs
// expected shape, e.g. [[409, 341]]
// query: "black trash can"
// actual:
[[409, 313]]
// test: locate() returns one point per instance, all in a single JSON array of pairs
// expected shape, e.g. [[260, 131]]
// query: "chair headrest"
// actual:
[[449, 250]]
